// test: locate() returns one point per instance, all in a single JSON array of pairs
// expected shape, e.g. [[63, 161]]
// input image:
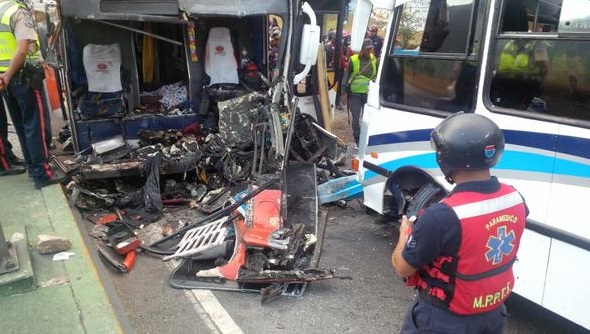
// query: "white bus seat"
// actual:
[[102, 64], [104, 96], [220, 61]]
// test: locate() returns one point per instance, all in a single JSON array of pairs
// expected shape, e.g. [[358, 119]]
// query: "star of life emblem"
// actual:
[[500, 245]]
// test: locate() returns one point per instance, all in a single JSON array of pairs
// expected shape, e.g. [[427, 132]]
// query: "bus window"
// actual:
[[535, 72], [431, 63], [433, 26], [574, 18]]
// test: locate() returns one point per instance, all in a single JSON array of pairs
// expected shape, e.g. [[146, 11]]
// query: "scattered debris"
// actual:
[[49, 244], [63, 256], [62, 280], [214, 197]]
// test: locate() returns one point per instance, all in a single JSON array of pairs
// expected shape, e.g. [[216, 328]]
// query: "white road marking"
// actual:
[[210, 310]]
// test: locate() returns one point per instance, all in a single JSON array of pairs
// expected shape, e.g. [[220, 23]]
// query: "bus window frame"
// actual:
[[468, 55], [489, 70]]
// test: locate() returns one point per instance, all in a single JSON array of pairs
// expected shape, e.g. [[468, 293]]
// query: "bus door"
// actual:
[[570, 62], [539, 92], [318, 93], [428, 70], [518, 64]]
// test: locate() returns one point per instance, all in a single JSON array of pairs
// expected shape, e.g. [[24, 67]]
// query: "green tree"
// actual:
[[407, 29]]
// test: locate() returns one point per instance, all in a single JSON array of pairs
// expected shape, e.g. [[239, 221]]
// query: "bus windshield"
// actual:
[[431, 60]]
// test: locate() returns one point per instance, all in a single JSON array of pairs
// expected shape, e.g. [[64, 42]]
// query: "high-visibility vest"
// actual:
[[516, 60], [8, 44], [359, 83]]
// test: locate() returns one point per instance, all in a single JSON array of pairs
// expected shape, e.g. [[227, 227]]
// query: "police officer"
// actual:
[[362, 68], [18, 41], [460, 251], [10, 164]]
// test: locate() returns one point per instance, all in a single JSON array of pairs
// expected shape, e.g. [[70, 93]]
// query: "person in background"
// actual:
[[459, 253], [20, 84], [375, 39], [329, 48], [345, 53], [362, 68]]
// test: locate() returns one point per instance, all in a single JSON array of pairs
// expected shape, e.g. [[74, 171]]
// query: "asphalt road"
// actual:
[[365, 298]]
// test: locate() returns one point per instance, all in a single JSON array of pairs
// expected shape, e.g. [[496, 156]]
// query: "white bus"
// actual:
[[526, 65]]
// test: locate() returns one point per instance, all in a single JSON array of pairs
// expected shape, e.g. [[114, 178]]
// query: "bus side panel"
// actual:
[[567, 207], [391, 135], [567, 287], [529, 269], [373, 195], [571, 182], [528, 161], [535, 192]]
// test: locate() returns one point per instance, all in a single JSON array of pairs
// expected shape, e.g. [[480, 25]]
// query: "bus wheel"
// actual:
[[426, 195]]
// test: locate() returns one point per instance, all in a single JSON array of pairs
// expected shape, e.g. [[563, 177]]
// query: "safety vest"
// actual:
[[8, 44], [359, 83], [479, 277], [515, 59]]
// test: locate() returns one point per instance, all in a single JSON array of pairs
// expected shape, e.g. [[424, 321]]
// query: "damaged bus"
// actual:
[[132, 66], [525, 65], [126, 61], [210, 92]]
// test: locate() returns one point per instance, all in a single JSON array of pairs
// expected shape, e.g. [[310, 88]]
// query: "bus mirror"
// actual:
[[310, 41], [360, 21]]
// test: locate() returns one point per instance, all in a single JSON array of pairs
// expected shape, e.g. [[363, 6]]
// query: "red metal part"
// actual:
[[129, 260], [266, 218], [122, 239]]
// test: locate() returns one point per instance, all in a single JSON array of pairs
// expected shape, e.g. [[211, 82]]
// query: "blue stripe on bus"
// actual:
[[575, 146], [511, 160], [400, 137], [425, 161]]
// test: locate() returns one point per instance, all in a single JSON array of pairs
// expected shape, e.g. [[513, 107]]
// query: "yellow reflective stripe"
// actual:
[[3, 7], [8, 46], [8, 14]]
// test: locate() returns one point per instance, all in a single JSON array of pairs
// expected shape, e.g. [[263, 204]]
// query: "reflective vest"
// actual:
[[8, 44], [359, 83], [479, 277], [516, 59]]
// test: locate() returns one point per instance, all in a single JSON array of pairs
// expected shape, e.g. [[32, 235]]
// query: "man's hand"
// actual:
[[406, 225], [4, 80], [402, 268]]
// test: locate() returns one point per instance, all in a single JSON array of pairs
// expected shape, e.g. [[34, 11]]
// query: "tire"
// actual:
[[426, 195]]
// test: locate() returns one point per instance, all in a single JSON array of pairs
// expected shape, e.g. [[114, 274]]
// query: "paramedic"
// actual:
[[19, 82], [362, 68], [460, 251]]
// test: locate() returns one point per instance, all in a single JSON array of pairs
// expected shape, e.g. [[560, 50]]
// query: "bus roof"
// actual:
[[162, 9]]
